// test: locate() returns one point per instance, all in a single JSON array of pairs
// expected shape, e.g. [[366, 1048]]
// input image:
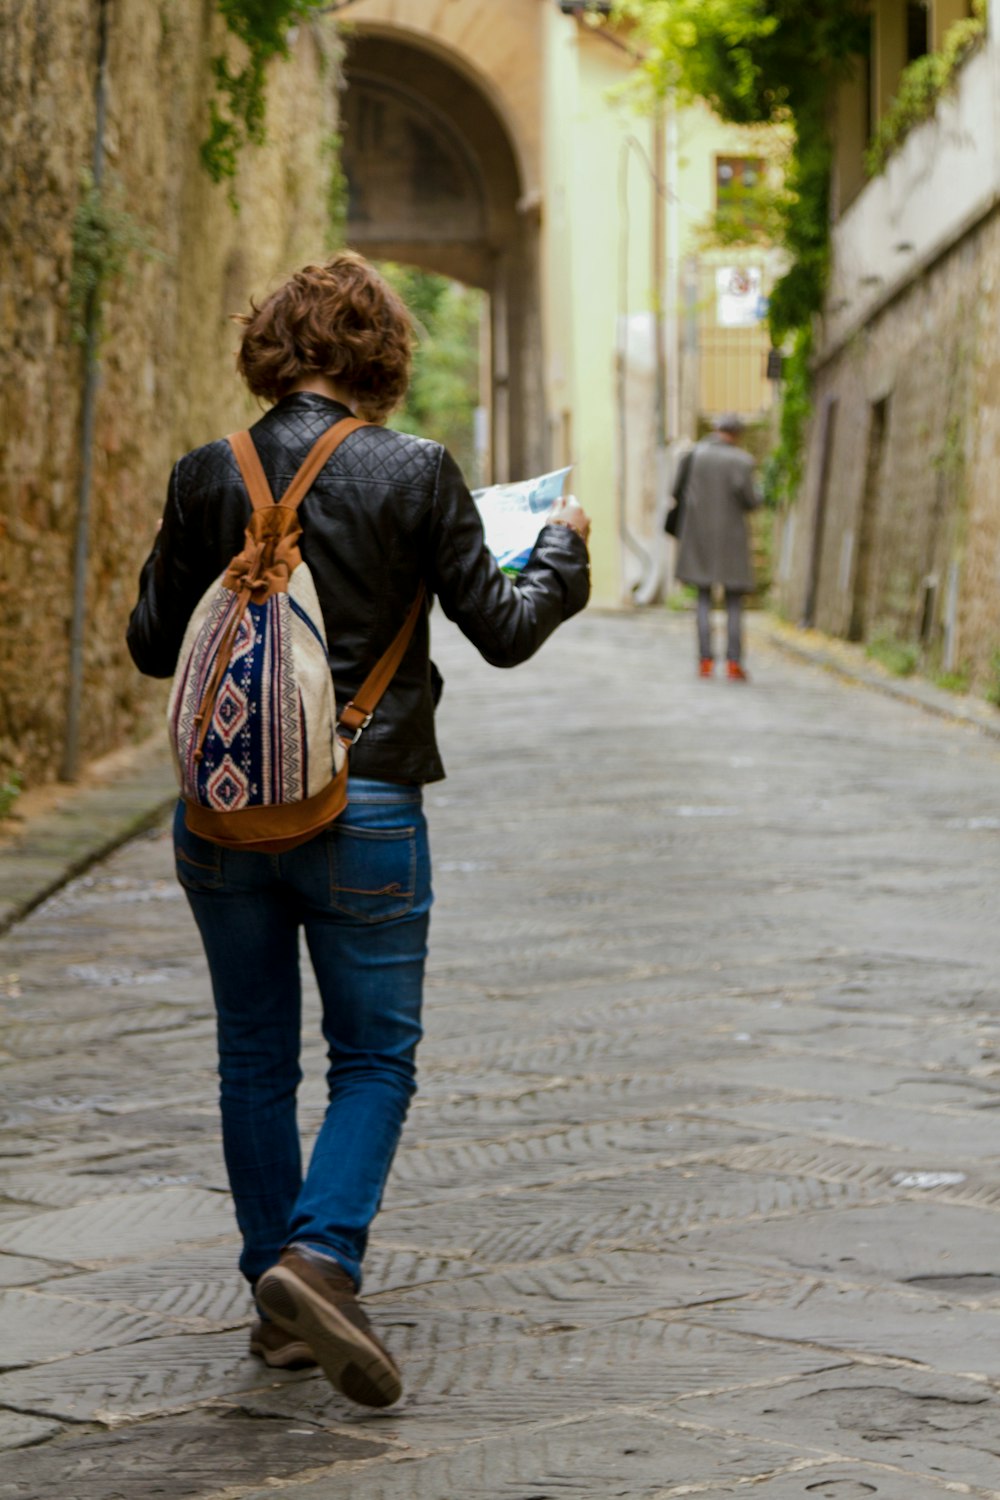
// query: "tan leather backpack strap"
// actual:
[[317, 457], [358, 713], [252, 470]]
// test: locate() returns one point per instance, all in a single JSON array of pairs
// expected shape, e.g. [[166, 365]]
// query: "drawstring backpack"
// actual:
[[259, 749]]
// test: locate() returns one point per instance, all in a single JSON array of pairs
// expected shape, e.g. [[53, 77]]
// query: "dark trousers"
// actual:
[[734, 624]]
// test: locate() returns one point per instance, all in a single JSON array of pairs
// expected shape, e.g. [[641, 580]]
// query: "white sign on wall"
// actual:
[[739, 296]]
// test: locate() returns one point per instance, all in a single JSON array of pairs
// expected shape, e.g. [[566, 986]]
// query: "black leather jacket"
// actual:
[[387, 512]]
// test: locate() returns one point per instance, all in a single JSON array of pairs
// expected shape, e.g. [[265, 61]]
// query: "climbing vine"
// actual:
[[779, 62], [105, 237], [238, 110], [336, 191], [764, 62], [922, 85]]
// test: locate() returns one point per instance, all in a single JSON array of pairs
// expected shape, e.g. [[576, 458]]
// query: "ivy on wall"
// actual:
[[105, 238], [764, 62], [779, 62], [922, 85], [239, 107]]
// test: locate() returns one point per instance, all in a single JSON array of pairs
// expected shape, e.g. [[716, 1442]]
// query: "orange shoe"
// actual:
[[705, 666], [735, 672]]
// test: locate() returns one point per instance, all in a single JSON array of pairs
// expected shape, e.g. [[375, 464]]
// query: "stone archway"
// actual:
[[434, 182]]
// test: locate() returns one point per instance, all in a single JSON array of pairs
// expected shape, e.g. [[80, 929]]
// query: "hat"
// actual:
[[728, 421]]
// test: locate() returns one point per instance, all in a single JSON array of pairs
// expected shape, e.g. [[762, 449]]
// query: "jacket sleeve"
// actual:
[[170, 585], [506, 619]]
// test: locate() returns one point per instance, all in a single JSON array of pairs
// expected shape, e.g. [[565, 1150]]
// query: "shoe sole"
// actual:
[[297, 1356], [353, 1364]]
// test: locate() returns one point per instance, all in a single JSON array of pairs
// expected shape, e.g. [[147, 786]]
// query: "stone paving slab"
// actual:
[[18, 1270], [39, 1327], [903, 1242], [939, 1138], [853, 1481], [507, 1377], [145, 1379], [869, 1321], [603, 1455], [183, 1459], [930, 1424], [122, 1226], [566, 1294], [19, 1431]]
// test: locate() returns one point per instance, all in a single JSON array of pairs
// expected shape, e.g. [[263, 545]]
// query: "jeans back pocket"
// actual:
[[198, 863], [373, 871]]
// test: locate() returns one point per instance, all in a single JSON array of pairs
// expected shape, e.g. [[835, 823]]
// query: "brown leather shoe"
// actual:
[[280, 1350], [314, 1299]]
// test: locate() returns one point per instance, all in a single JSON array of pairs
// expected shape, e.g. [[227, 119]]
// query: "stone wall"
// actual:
[[167, 380], [910, 529]]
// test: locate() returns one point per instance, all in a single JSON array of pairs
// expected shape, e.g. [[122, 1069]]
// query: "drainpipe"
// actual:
[[91, 381], [650, 588]]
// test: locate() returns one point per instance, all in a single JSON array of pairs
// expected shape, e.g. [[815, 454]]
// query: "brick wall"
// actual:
[[912, 504]]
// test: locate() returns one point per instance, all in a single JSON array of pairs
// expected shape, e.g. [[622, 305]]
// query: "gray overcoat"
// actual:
[[714, 542]]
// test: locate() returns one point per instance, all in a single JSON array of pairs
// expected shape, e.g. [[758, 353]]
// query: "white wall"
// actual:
[[941, 181]]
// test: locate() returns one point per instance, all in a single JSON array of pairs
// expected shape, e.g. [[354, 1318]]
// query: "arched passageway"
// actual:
[[434, 182]]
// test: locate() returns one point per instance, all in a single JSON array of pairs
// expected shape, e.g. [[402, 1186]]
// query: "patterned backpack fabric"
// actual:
[[261, 756]]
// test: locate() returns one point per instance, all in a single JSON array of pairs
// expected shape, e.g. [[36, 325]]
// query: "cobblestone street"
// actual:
[[701, 1191]]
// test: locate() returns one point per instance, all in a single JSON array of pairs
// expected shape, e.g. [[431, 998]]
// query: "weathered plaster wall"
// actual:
[[167, 357], [933, 356]]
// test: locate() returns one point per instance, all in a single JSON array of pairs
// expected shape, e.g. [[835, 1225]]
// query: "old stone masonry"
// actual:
[[700, 1194]]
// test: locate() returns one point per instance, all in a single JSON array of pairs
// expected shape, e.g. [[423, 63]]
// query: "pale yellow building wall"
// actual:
[[597, 172], [585, 238], [498, 47]]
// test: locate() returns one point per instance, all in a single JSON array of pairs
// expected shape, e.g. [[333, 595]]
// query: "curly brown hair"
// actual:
[[340, 320]]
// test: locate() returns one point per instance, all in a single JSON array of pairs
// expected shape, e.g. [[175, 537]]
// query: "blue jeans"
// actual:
[[362, 893]]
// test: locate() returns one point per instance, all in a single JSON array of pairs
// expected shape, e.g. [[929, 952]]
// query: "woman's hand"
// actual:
[[568, 511]]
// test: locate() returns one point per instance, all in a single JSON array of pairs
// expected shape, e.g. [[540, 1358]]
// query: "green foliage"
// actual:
[[764, 62], [239, 107], [922, 85], [991, 692], [681, 599], [953, 682], [898, 657], [336, 192], [782, 472], [105, 237], [444, 390], [10, 790]]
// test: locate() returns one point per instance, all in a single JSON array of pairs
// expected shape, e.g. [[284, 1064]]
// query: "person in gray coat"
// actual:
[[716, 490]]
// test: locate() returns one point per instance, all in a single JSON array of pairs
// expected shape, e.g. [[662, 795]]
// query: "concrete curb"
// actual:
[[849, 662], [64, 830]]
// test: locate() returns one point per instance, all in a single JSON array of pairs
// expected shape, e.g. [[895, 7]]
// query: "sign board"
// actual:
[[738, 296]]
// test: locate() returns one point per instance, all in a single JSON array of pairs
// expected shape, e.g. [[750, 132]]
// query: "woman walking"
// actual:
[[387, 516]]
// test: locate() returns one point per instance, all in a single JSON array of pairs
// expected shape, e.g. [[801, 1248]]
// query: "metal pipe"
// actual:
[[91, 381], [629, 541], [661, 206]]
